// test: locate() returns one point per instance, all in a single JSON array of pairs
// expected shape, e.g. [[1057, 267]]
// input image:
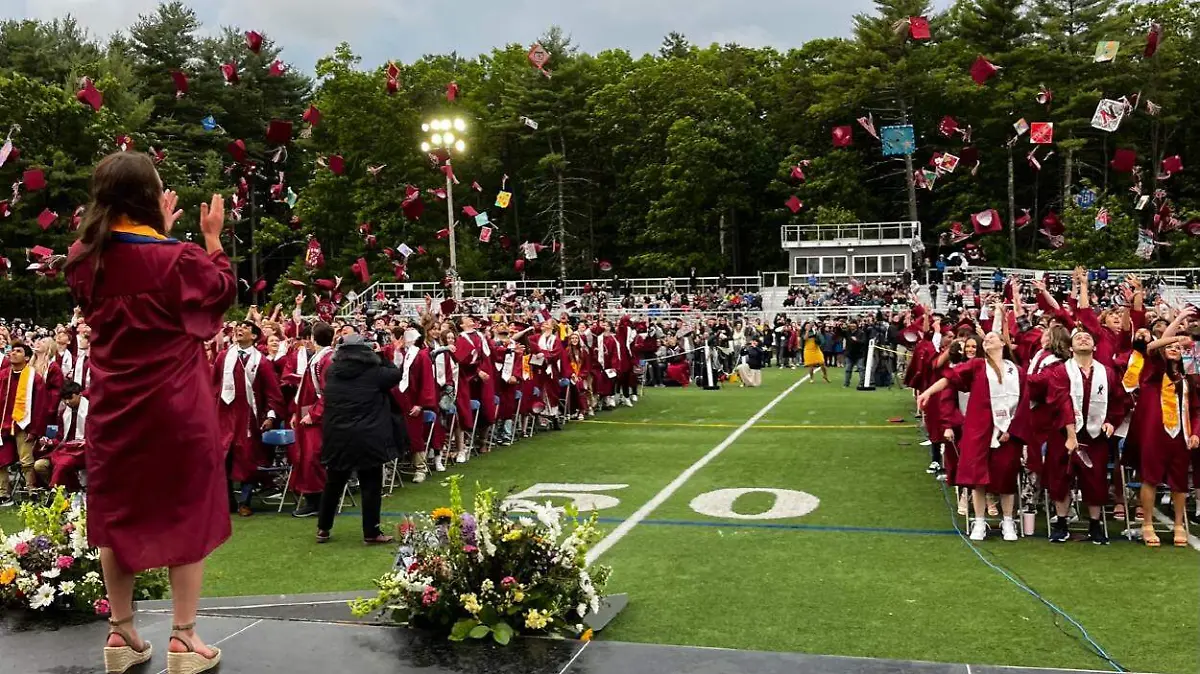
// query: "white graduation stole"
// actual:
[[228, 390], [312, 372], [1097, 409], [1041, 360], [1005, 396], [410, 355], [69, 418]]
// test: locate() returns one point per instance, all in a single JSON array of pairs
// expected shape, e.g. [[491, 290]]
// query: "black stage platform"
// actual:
[[317, 634]]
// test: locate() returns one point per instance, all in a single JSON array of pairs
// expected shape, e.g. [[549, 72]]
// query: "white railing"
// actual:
[[571, 288], [1174, 276], [791, 236]]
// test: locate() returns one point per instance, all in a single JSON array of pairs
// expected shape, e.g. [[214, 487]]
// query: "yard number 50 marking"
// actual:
[[788, 503], [583, 496]]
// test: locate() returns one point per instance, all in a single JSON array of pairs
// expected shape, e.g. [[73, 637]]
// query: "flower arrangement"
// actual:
[[48, 566], [471, 574]]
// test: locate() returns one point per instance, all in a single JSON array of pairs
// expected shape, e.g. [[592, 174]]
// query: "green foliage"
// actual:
[[650, 162]]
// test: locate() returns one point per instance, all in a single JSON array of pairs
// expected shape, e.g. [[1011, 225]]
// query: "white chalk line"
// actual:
[[650, 506]]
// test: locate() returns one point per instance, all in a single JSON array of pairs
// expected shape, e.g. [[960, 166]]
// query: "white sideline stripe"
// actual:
[[201, 609], [642, 513], [574, 657], [1163, 519], [218, 643]]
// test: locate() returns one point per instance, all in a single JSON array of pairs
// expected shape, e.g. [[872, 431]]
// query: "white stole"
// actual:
[[506, 370], [80, 370], [600, 354], [228, 390], [1005, 396], [1041, 360], [546, 343], [281, 350], [69, 416], [1098, 402], [440, 370], [66, 365], [312, 372], [405, 365]]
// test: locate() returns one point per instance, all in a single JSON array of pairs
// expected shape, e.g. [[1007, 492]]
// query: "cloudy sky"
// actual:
[[406, 29]]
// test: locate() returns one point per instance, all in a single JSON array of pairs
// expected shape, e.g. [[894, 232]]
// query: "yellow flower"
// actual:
[[442, 514], [587, 635], [470, 602], [518, 595], [536, 620], [514, 535], [7, 576]]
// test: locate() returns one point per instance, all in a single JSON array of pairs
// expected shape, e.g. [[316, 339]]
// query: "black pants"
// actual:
[[370, 481]]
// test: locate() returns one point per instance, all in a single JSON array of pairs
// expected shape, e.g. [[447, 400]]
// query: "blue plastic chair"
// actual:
[[51, 433]]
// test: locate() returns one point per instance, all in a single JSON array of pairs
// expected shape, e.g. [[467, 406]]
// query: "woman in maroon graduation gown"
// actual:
[[156, 474], [1166, 423], [993, 426]]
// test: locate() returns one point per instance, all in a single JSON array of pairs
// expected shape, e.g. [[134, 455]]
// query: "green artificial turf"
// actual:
[[875, 570]]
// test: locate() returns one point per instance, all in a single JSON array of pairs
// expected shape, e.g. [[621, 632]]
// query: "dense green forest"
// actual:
[[654, 164]]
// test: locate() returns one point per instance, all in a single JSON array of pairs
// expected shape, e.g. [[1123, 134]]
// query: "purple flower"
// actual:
[[468, 527], [42, 543]]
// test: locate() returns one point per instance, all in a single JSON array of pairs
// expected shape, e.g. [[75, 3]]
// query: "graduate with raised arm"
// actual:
[[415, 394], [995, 421]]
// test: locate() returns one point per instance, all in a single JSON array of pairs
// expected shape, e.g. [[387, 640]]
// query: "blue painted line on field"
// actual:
[[831, 528]]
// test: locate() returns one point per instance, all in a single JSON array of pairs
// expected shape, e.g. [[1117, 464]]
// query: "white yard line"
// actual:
[[667, 491], [574, 657], [1163, 519], [202, 609]]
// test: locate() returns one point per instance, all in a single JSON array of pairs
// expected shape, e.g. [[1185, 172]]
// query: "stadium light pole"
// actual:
[[446, 134]]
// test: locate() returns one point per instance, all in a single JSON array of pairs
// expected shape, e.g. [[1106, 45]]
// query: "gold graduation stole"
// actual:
[[526, 371], [1175, 408], [1133, 374], [21, 404]]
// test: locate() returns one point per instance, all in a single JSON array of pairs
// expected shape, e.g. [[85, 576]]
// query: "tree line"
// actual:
[[646, 165]]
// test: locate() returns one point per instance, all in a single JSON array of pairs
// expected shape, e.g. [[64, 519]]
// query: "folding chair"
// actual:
[[530, 421], [279, 440], [476, 408], [992, 522], [517, 426], [1075, 502], [348, 493], [490, 442], [564, 409]]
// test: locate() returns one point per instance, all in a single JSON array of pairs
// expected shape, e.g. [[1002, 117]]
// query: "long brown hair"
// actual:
[[124, 184]]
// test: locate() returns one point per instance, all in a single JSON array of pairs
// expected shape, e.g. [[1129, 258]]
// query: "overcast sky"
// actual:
[[379, 30]]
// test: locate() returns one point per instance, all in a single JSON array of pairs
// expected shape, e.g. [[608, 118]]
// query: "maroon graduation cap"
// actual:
[[982, 70], [181, 83], [254, 41]]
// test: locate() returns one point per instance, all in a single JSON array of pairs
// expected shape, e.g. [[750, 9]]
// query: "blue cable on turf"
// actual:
[[1098, 649]]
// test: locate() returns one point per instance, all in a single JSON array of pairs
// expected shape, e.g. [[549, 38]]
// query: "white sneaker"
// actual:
[[926, 443], [439, 465], [1009, 528], [627, 402], [591, 412], [462, 456], [419, 477], [933, 468], [635, 398], [979, 530]]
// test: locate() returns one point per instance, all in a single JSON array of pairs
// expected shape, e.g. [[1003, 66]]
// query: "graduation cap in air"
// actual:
[[312, 115], [279, 132], [314, 258], [297, 284], [46, 218], [33, 180], [254, 41], [159, 156], [1192, 227], [957, 235], [230, 72], [393, 78], [982, 70], [5, 211], [1153, 39], [259, 286], [447, 306], [918, 28], [485, 234], [337, 164], [470, 211], [505, 243], [1172, 165], [412, 205], [948, 126], [987, 222], [843, 136], [77, 218], [276, 69], [1024, 219], [798, 173], [360, 270], [1123, 160], [237, 149], [90, 95], [794, 204], [124, 143], [399, 270], [519, 265], [475, 186], [181, 83], [1052, 223]]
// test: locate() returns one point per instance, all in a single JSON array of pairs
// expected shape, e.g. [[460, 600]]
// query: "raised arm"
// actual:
[[1169, 335]]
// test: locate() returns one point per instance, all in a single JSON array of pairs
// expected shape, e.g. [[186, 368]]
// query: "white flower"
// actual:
[[487, 585], [581, 610], [594, 604], [92, 578], [43, 598], [26, 584], [67, 587], [52, 573], [525, 522]]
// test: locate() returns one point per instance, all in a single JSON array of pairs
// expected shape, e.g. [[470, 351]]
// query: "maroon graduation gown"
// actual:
[[605, 385], [421, 392], [308, 475], [1164, 459], [981, 465], [241, 427], [156, 470], [8, 398]]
